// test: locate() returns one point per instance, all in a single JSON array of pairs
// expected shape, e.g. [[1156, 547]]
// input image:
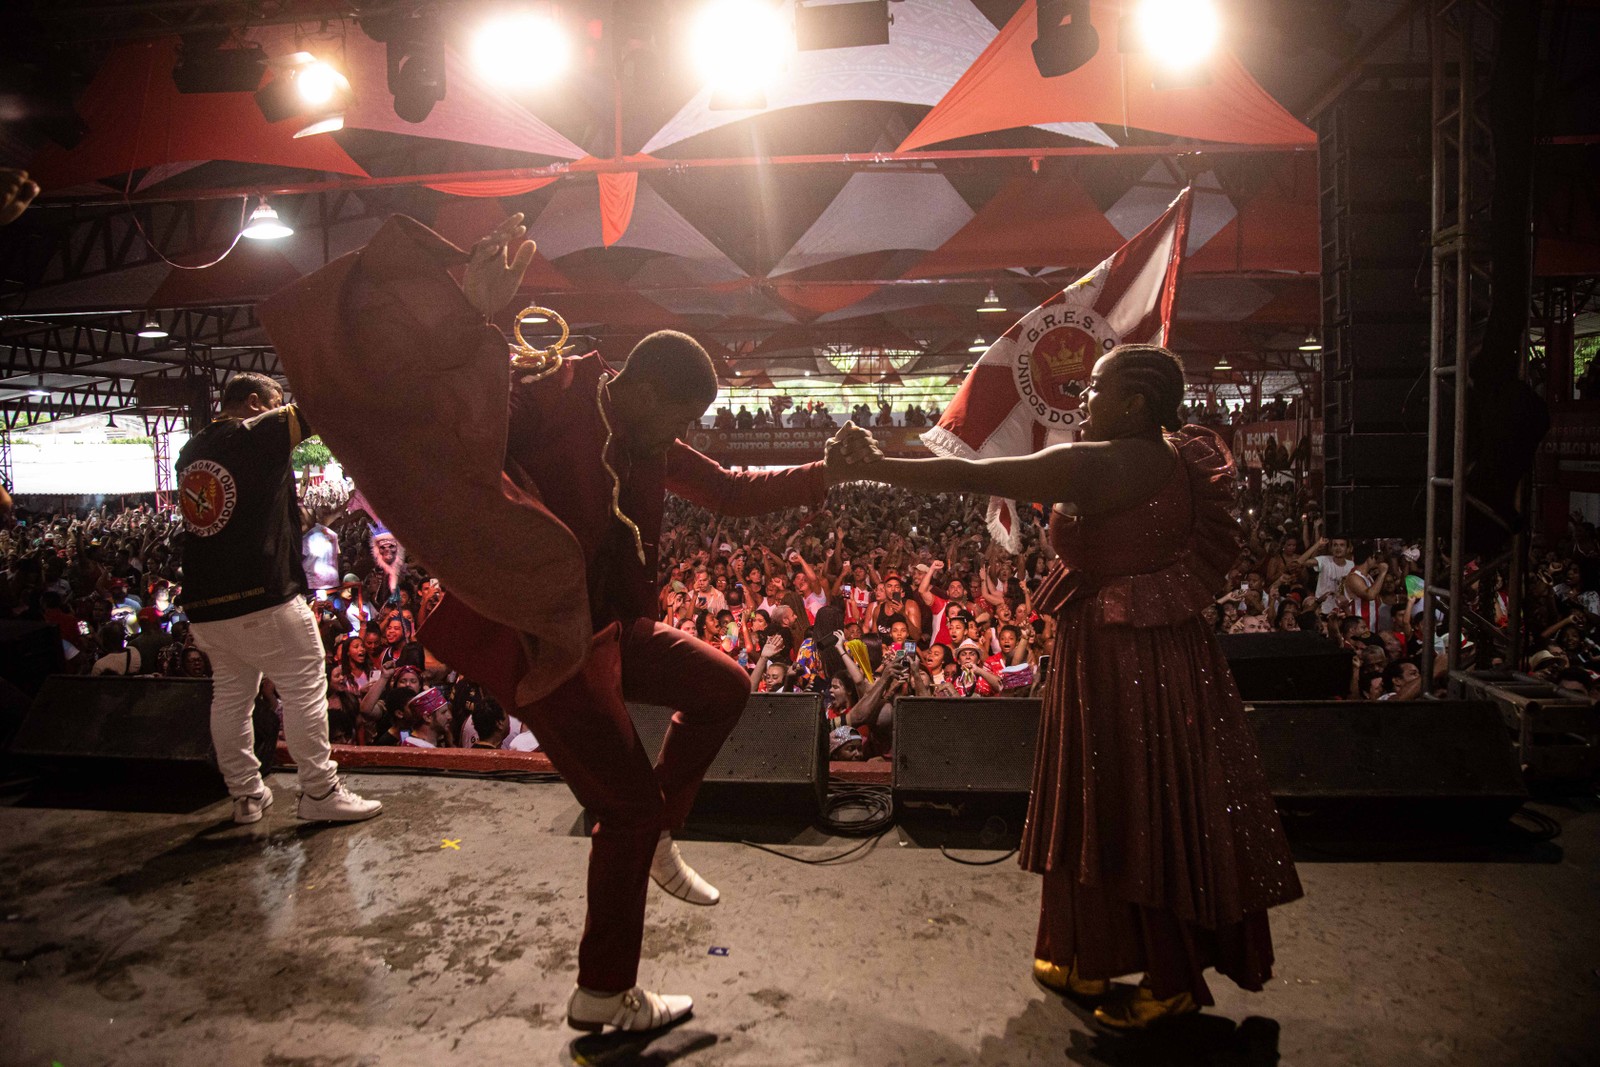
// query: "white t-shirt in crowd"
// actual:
[[815, 602], [1330, 579]]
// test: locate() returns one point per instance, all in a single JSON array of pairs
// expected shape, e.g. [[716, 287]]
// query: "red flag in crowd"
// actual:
[[1023, 392]]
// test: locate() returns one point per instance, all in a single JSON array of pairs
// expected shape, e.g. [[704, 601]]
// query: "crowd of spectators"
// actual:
[[781, 412], [877, 595]]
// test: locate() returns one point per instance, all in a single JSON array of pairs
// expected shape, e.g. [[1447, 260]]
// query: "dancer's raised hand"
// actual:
[[499, 260]]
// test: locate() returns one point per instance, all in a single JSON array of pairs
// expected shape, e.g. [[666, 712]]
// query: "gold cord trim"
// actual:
[[616, 482], [538, 362]]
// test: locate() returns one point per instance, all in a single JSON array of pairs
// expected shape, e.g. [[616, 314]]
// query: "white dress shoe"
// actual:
[[679, 879], [250, 809], [632, 1009]]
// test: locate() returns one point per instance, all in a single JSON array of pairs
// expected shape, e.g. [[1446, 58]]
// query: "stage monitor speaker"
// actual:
[[778, 751], [1286, 666], [29, 653], [112, 716], [1444, 750], [964, 746]]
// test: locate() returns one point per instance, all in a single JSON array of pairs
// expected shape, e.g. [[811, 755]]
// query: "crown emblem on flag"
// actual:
[[1063, 360]]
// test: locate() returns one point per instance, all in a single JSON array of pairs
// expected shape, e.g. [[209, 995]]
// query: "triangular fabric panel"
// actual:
[[1035, 221], [137, 118], [570, 223], [464, 222], [931, 43], [1149, 197], [1004, 90], [1214, 299], [249, 273], [472, 112], [497, 187], [1278, 230], [819, 299], [343, 236], [879, 211], [617, 193], [887, 298]]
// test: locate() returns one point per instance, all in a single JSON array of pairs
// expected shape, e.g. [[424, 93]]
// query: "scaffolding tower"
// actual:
[[1460, 37]]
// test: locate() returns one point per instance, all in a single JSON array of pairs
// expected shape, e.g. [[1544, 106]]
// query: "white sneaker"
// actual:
[[633, 1009], [250, 809], [679, 879], [337, 805]]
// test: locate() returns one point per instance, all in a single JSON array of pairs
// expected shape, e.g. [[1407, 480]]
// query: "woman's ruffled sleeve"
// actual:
[[1216, 543], [1179, 589]]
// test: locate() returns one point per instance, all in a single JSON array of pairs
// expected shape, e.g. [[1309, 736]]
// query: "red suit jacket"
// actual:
[[556, 451], [407, 384]]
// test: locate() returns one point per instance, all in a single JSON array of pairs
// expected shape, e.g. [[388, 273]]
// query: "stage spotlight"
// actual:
[[265, 224], [416, 77], [1223, 364], [152, 329], [316, 83], [739, 47], [1311, 344], [1066, 40], [1178, 34], [306, 88], [524, 51], [978, 345], [854, 24], [327, 125], [991, 304]]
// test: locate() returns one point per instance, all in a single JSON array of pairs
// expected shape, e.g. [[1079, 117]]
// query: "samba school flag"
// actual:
[[1023, 393]]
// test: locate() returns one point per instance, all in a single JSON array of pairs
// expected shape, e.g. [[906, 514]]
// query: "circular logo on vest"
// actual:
[[1057, 351], [206, 495]]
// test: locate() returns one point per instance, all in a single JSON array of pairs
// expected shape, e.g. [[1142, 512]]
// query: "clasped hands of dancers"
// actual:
[[1166, 874]]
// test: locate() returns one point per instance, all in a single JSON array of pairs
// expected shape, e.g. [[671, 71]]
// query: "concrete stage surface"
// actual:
[[445, 932]]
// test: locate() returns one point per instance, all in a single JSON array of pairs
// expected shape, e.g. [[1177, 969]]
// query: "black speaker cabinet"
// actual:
[[29, 653], [1456, 751], [110, 716], [1286, 666], [1382, 350], [964, 746], [1377, 405], [1396, 237], [1377, 510], [1382, 294], [1375, 458], [776, 757]]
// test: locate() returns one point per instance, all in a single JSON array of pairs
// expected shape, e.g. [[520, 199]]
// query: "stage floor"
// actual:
[[445, 931]]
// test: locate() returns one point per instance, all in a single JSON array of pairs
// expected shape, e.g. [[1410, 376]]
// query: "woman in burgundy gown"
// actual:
[[1150, 817]]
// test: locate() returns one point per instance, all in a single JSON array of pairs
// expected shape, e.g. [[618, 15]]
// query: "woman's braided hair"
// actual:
[[1157, 374]]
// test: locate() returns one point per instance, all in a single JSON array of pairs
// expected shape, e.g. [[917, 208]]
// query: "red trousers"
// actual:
[[585, 729]]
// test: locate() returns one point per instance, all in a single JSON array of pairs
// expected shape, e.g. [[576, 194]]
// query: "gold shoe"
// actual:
[[1066, 980], [1143, 1009]]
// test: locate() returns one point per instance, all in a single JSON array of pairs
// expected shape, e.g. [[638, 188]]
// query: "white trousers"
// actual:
[[282, 643]]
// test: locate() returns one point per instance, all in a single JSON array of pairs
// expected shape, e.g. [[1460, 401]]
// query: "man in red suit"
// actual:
[[598, 450]]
